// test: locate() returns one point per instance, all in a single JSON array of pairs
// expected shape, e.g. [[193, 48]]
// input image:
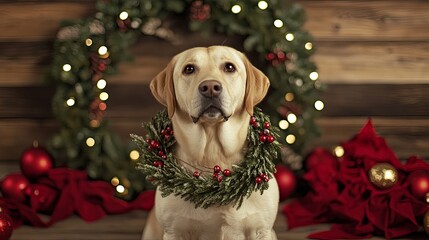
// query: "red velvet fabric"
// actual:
[[341, 192], [65, 192]]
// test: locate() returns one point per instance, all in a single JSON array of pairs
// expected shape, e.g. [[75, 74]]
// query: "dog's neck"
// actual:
[[209, 144]]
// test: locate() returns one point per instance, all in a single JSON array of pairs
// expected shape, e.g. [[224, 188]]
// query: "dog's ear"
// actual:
[[162, 88], [257, 85]]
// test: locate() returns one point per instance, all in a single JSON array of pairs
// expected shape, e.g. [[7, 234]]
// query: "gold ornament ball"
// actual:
[[426, 222], [383, 175]]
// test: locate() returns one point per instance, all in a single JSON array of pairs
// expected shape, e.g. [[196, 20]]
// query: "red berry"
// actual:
[[219, 178], [164, 156], [226, 172], [161, 153], [154, 144], [267, 125], [196, 174], [168, 129], [255, 125], [270, 139], [167, 136], [258, 180], [264, 177], [252, 120], [163, 132], [215, 176], [148, 140], [216, 169], [270, 56], [263, 138], [171, 132], [158, 163], [261, 133]]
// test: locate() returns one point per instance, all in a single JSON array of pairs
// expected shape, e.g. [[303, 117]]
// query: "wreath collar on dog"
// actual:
[[208, 187]]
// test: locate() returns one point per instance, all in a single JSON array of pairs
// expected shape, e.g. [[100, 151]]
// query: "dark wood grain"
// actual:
[[367, 20], [132, 101], [327, 20], [338, 62]]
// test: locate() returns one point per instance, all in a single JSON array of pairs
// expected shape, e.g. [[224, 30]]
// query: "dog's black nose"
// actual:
[[210, 88]]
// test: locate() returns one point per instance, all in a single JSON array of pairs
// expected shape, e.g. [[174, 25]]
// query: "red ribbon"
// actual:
[[65, 192]]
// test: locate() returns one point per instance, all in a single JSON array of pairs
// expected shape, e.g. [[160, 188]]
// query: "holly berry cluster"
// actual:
[[199, 11], [265, 134], [218, 174], [154, 145], [262, 177], [123, 25], [276, 58], [99, 64]]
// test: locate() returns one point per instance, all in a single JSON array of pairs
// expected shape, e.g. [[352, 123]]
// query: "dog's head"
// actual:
[[210, 84]]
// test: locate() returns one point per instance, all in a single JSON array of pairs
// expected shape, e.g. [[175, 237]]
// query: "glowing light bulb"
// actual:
[[66, 67], [262, 5], [319, 105], [134, 155], [314, 76], [94, 123], [104, 96], [88, 42], [102, 106], [290, 37], [289, 97], [102, 50], [101, 84], [70, 102], [308, 46], [123, 15], [283, 124], [339, 151], [236, 9], [290, 138], [120, 189], [115, 181], [90, 142], [291, 118], [278, 23]]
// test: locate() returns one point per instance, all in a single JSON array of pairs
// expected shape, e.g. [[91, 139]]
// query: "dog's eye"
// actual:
[[189, 69], [229, 67]]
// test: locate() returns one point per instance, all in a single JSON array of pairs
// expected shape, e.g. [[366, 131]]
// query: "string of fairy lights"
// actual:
[[291, 118], [103, 53]]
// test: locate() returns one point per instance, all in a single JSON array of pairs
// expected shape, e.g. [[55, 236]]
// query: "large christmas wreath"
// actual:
[[88, 50]]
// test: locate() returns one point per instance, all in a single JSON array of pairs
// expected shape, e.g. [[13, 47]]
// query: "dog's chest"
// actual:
[[184, 220]]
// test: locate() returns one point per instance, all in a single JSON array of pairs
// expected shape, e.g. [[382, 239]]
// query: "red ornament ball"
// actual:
[[419, 184], [6, 226], [35, 162], [286, 181], [13, 187]]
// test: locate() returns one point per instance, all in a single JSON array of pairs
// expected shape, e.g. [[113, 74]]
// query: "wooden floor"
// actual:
[[129, 226]]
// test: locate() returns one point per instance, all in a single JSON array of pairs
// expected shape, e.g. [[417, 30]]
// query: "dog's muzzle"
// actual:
[[210, 91]]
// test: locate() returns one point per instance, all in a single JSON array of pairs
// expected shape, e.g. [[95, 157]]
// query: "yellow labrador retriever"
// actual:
[[210, 94]]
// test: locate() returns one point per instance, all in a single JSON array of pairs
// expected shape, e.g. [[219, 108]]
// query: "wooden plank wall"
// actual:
[[373, 56]]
